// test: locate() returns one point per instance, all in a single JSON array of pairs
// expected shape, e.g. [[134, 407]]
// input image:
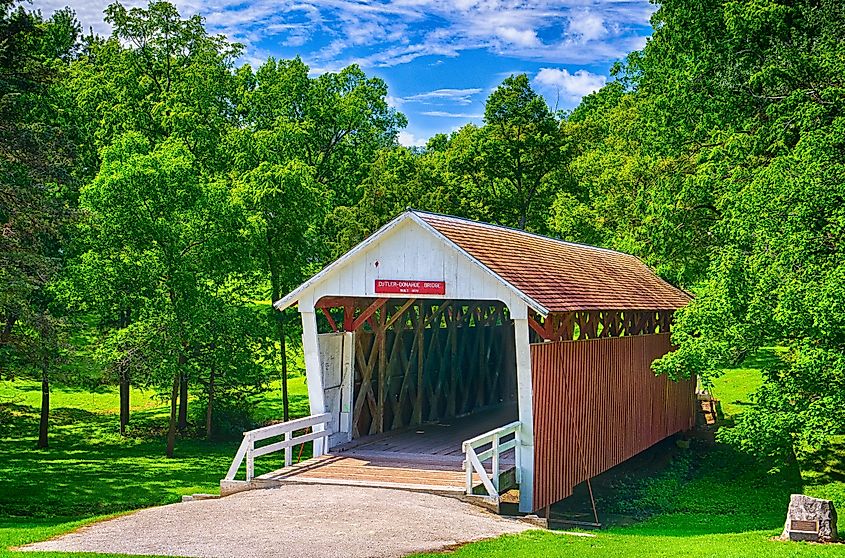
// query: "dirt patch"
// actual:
[[296, 521]]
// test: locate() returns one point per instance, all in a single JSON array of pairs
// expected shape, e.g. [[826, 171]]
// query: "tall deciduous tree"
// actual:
[[39, 132], [304, 143], [151, 204], [37, 154], [522, 147], [162, 76], [164, 79]]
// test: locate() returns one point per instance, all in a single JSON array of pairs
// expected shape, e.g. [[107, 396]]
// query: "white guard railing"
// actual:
[[475, 459], [247, 449]]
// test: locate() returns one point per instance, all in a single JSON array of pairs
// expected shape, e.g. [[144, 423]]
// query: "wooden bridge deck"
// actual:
[[427, 458]]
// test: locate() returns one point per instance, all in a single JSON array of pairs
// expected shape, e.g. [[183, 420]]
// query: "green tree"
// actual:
[[303, 144], [39, 134], [166, 79], [522, 147], [37, 155], [151, 205], [42, 348], [723, 138], [162, 76]]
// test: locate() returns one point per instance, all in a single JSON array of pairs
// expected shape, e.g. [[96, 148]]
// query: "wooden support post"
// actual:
[[468, 467], [250, 460], [420, 341], [525, 401], [288, 450], [382, 369], [496, 471], [313, 370], [453, 362], [348, 316]]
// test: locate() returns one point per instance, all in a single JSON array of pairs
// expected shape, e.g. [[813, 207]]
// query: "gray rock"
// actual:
[[810, 519]]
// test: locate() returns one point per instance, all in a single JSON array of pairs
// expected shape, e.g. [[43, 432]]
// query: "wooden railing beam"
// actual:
[[369, 311]]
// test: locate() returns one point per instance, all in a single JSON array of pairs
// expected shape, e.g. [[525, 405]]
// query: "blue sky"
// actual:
[[440, 58]]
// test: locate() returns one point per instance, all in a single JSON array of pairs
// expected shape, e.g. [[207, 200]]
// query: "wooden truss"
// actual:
[[418, 361], [595, 324]]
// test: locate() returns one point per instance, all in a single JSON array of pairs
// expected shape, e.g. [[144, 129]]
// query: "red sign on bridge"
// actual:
[[399, 286]]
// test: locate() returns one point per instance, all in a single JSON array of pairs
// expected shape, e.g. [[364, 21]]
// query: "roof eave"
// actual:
[[292, 297]]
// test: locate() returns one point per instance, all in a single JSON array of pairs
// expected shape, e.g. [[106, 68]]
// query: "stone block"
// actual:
[[810, 519]]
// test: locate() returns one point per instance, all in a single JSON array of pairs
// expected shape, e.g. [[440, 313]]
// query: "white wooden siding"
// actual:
[[411, 252]]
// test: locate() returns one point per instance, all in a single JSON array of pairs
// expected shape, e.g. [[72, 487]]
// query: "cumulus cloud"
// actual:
[[523, 37], [410, 140], [587, 26], [572, 86]]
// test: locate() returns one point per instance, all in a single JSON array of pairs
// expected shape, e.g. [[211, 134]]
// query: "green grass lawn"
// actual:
[[91, 470], [735, 388], [654, 539], [708, 500]]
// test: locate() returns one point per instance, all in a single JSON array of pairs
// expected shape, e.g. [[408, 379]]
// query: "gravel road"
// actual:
[[295, 521]]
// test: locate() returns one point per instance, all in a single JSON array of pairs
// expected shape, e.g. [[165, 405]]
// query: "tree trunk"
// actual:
[[11, 319], [45, 409], [183, 403], [174, 396], [123, 320], [275, 288], [208, 409], [5, 337], [285, 403], [124, 401], [171, 430]]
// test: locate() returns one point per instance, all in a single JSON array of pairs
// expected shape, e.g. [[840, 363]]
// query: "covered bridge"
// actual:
[[443, 352]]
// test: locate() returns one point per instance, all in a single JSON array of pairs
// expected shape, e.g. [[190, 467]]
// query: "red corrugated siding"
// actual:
[[596, 404]]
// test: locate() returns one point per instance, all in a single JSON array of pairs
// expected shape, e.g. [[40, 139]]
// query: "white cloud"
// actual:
[[440, 96], [410, 140], [571, 86], [587, 26], [379, 33], [446, 114], [524, 37]]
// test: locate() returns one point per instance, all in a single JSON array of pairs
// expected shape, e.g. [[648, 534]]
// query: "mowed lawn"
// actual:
[[91, 471], [709, 501]]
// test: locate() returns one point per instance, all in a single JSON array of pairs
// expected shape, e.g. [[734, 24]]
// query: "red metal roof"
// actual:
[[562, 276]]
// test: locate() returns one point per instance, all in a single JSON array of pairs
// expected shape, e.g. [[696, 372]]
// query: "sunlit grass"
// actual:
[[90, 469], [103, 399]]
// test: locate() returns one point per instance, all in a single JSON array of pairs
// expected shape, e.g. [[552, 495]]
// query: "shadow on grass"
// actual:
[[827, 464], [89, 469], [706, 489], [765, 358]]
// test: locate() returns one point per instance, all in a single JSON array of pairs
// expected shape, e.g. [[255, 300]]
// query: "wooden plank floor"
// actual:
[[426, 458]]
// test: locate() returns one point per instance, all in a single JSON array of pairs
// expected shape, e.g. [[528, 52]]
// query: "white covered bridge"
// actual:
[[462, 358]]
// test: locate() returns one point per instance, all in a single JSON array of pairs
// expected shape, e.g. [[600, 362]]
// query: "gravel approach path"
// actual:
[[294, 521]]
